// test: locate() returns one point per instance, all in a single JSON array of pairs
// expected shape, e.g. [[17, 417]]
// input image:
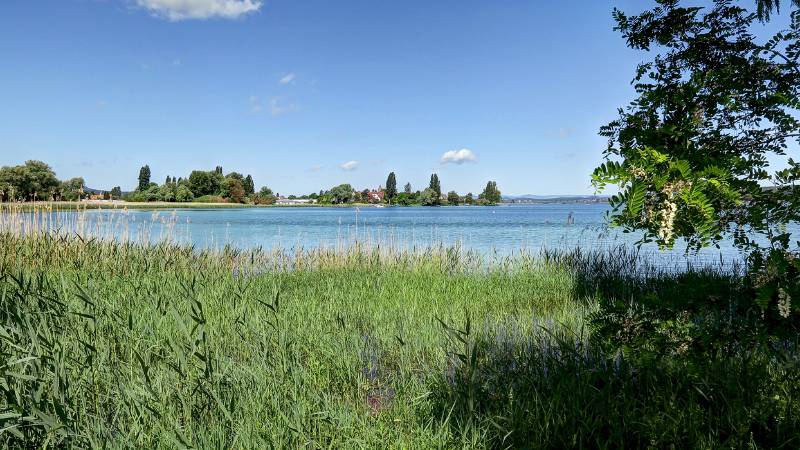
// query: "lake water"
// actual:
[[499, 230]]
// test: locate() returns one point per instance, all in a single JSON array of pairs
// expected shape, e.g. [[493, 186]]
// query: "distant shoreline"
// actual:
[[118, 204]]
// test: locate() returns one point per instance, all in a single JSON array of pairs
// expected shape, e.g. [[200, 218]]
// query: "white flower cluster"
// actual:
[[784, 303]]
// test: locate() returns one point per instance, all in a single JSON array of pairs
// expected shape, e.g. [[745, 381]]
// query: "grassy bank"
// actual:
[[161, 346]]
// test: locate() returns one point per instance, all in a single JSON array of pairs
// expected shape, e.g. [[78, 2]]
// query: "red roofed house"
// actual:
[[375, 196]]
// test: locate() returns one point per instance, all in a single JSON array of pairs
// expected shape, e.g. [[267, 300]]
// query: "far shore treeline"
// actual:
[[36, 181]]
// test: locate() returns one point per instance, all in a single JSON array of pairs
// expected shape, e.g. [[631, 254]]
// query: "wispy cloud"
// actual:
[[315, 168], [288, 78], [349, 165], [458, 156], [278, 107], [176, 10], [255, 104]]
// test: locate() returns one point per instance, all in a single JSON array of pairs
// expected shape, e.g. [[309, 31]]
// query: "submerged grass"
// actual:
[[106, 344]]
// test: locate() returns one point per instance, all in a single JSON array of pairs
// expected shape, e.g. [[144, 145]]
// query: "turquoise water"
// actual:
[[500, 230]]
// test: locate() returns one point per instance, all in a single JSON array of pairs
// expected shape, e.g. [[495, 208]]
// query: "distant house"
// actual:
[[375, 196]]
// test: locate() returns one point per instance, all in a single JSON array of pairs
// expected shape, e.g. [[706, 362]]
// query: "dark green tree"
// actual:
[[144, 178], [249, 186], [391, 187], [218, 170], [453, 198], [33, 180], [436, 187], [204, 183], [116, 193], [407, 188], [342, 193], [491, 195]]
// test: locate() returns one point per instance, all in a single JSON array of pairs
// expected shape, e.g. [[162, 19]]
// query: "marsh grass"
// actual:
[[124, 344]]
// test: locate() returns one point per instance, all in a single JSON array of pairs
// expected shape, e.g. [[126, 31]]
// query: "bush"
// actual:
[[210, 199]]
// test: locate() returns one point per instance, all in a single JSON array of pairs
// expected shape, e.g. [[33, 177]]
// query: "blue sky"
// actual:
[[306, 94]]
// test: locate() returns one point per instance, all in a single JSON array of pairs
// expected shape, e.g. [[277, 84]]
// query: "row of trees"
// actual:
[[200, 185], [35, 180], [430, 196]]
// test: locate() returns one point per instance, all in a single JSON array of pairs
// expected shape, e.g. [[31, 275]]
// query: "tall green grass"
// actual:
[[108, 344]]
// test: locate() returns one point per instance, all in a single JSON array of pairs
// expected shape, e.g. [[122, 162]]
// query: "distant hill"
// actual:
[[531, 198]]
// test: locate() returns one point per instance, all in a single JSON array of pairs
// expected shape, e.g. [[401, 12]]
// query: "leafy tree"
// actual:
[[453, 198], [152, 193], [469, 199], [72, 189], [30, 181], [167, 192], [391, 187], [168, 180], [144, 178], [436, 187], [428, 197], [218, 170], [765, 7], [236, 190], [342, 193], [691, 155], [407, 188], [249, 186], [491, 194], [204, 183], [265, 196], [184, 194], [116, 193]]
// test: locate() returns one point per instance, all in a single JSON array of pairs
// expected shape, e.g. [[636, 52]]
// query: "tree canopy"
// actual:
[[690, 155]]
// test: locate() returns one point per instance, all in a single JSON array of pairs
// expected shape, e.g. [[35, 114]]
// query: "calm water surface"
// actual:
[[500, 230]]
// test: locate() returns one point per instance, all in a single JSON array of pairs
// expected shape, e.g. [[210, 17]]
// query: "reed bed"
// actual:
[[132, 344]]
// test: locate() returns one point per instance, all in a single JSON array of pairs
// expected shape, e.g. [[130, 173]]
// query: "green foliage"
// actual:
[[689, 155], [33, 180], [112, 345], [342, 193], [428, 197], [235, 190], [436, 187], [765, 7], [205, 183], [491, 195], [249, 186], [144, 178], [391, 187], [72, 189], [453, 198], [184, 194]]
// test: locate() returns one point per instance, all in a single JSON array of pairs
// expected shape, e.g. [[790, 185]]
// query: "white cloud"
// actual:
[[349, 165], [458, 156], [316, 168], [176, 10], [288, 78]]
